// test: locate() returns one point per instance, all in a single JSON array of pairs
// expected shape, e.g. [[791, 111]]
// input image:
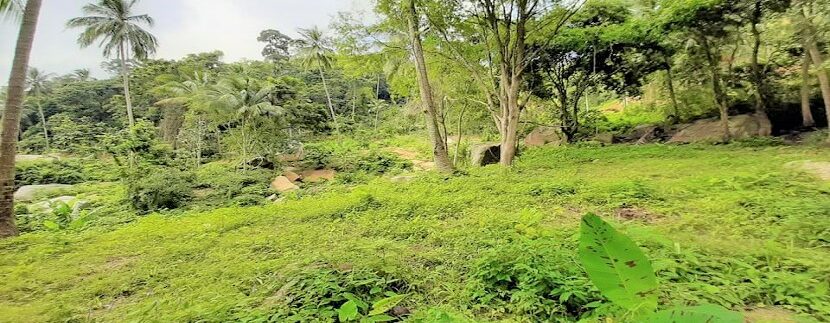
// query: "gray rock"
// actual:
[[545, 136], [709, 130], [485, 154], [29, 192], [605, 138]]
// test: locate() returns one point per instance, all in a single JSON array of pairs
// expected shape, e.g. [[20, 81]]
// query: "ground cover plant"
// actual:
[[722, 225]]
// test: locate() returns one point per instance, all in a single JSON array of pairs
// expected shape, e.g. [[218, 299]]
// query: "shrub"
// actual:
[[49, 172], [351, 156], [535, 278], [229, 183], [159, 189]]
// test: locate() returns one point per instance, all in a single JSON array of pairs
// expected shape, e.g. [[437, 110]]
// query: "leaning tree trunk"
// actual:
[[806, 113], [765, 128], [125, 75], [11, 116], [823, 78], [328, 96], [43, 123], [815, 54], [717, 88], [433, 120]]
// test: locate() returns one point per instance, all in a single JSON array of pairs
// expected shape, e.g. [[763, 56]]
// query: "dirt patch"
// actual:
[[405, 154], [769, 315], [634, 214], [818, 169]]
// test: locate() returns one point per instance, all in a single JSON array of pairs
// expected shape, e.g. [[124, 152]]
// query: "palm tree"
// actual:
[[247, 98], [113, 25], [11, 114], [316, 53], [38, 83], [81, 75], [11, 8]]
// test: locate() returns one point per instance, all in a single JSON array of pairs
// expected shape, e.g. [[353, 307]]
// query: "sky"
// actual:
[[182, 27]]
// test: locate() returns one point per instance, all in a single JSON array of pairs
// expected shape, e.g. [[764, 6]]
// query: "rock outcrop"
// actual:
[[709, 130], [485, 154], [282, 184], [29, 192], [318, 175], [545, 136]]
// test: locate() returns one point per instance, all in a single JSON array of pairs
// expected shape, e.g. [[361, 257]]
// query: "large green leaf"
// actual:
[[617, 266], [703, 313], [386, 304], [347, 312]]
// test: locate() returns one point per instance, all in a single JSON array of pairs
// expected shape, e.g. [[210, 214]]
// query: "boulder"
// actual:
[[282, 184], [485, 154], [319, 175], [545, 136], [605, 138], [29, 192], [709, 130], [292, 176]]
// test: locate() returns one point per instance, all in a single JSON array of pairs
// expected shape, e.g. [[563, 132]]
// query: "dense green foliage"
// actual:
[[723, 225]]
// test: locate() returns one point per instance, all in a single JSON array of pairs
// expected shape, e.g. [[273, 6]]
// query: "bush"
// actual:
[[64, 171], [225, 182], [159, 189], [49, 172], [351, 156], [532, 278]]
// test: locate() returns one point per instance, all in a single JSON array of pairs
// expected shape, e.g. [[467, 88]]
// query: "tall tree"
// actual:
[[490, 39], [38, 83], [506, 21], [707, 23], [807, 119], [113, 23], [811, 36], [316, 53], [11, 114], [247, 98], [438, 139]]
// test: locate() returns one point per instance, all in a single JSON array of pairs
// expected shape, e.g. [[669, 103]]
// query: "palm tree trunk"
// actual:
[[11, 116], [806, 113], [439, 143], [125, 74], [328, 95], [43, 123]]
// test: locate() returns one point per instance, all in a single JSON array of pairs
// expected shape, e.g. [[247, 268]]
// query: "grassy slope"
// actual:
[[726, 225]]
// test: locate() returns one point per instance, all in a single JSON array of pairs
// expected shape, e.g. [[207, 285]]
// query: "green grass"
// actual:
[[722, 224]]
